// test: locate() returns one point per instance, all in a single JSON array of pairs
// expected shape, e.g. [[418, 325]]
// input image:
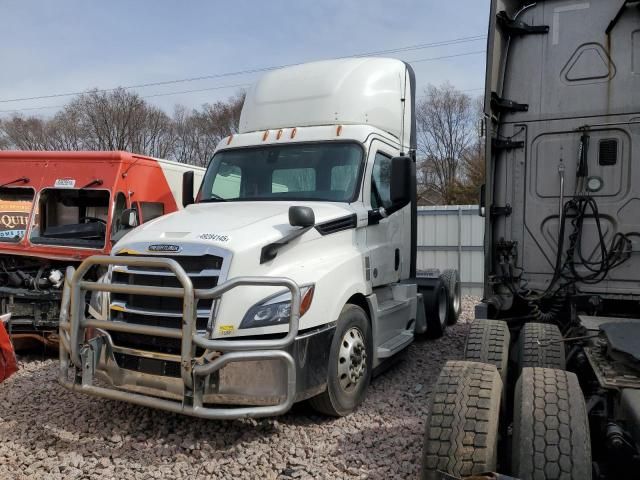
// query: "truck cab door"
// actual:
[[384, 239]]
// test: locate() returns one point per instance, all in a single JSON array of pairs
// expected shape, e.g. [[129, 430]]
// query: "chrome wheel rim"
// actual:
[[352, 360]]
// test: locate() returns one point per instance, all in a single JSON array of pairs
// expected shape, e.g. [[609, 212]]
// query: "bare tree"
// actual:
[[122, 120], [25, 133], [446, 131], [199, 131]]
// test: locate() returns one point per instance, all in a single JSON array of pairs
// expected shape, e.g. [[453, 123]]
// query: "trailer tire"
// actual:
[[488, 342], [351, 354], [436, 306], [547, 355], [461, 434], [550, 427], [451, 279]]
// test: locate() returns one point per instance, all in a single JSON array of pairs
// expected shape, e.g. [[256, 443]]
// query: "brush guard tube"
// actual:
[[84, 356]]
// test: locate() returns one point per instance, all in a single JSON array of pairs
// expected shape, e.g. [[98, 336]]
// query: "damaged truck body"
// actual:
[[58, 208], [290, 276], [550, 384]]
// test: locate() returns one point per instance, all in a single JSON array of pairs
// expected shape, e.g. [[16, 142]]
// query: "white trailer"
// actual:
[[290, 276]]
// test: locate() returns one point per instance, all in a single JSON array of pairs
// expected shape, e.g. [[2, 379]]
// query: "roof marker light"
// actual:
[[339, 130], [266, 135], [279, 134], [229, 139], [293, 132]]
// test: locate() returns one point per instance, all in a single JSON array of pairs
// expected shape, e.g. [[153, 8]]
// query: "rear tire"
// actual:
[[461, 434], [549, 353], [488, 342], [550, 427], [451, 279], [436, 307], [349, 370]]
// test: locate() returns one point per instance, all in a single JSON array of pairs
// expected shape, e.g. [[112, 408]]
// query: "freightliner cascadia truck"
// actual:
[[290, 275], [58, 208], [550, 385]]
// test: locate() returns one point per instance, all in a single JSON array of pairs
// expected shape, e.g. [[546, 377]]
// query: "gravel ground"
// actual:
[[47, 432]]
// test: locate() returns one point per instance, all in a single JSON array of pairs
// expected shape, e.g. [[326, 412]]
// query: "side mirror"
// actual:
[[187, 188], [482, 203], [400, 183], [301, 217], [129, 218]]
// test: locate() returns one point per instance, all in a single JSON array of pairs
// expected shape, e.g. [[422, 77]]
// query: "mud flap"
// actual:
[[8, 364]]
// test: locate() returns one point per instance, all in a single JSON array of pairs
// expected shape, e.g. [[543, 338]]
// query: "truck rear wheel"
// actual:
[[451, 279], [488, 342], [550, 427], [461, 435], [540, 345], [436, 305], [349, 370]]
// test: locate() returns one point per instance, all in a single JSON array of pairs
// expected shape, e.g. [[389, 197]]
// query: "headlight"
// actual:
[[276, 310]]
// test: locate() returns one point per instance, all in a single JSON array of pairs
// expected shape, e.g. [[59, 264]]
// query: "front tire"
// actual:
[[349, 370]]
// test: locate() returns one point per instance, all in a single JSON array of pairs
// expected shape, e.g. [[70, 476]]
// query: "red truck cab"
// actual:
[[58, 208]]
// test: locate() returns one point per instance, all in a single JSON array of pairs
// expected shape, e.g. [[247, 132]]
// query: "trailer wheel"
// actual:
[[488, 342], [451, 279], [550, 427], [461, 434], [436, 305], [540, 345], [349, 370]]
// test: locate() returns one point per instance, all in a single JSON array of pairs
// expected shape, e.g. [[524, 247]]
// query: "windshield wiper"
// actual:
[[214, 198], [21, 179], [97, 181]]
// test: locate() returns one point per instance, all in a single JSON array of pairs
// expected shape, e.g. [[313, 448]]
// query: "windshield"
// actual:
[[71, 217], [15, 207], [322, 172]]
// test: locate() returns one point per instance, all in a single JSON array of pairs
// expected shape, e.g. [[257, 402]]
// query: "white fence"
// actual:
[[452, 237]]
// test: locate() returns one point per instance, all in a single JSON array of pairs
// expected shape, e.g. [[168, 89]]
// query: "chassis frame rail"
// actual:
[[83, 356]]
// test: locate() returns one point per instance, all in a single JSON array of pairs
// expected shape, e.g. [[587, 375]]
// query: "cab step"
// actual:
[[395, 344]]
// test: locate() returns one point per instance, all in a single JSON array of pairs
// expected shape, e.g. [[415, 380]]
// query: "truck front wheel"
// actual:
[[349, 370]]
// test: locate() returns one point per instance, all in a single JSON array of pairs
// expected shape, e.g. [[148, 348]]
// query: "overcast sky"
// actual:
[[52, 47]]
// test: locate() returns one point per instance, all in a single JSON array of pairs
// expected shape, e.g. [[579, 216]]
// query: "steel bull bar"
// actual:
[[81, 357]]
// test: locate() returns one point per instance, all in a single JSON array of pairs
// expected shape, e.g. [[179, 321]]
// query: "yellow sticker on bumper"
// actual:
[[226, 330]]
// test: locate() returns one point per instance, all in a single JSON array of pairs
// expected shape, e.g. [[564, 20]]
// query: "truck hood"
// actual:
[[235, 226]]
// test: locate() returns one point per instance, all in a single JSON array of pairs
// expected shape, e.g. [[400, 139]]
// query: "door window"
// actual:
[[381, 181]]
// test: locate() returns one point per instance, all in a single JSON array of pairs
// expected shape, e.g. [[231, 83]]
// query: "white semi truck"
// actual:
[[290, 276]]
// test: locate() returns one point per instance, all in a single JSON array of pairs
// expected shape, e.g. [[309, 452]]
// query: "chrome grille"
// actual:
[[204, 272]]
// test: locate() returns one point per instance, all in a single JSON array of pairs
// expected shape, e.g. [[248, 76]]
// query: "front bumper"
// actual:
[[258, 377]]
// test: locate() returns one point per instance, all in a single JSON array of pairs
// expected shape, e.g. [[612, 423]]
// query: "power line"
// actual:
[[455, 41], [447, 56], [188, 91], [239, 85]]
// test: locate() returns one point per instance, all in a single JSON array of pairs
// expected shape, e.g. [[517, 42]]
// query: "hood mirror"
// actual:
[[301, 217]]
